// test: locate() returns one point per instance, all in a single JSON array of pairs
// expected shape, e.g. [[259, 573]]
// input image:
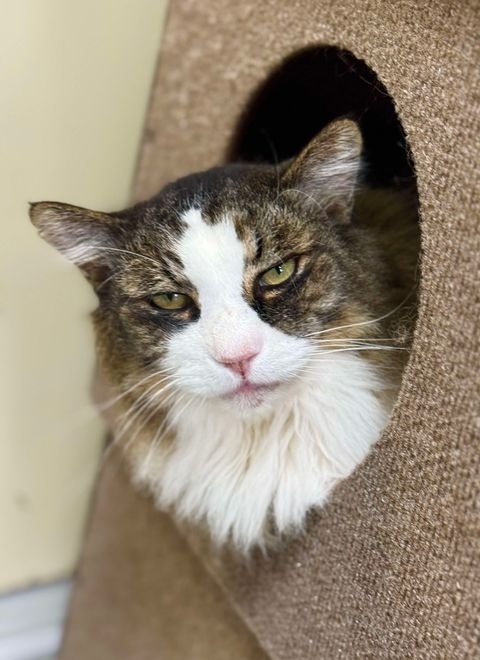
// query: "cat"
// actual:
[[253, 322]]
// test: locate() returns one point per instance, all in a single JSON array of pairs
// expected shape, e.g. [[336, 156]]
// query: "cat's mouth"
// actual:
[[250, 394]]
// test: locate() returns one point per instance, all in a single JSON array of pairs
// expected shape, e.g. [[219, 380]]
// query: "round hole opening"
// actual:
[[308, 90]]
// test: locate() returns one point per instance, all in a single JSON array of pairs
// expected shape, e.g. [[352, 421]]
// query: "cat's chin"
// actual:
[[251, 402], [250, 395]]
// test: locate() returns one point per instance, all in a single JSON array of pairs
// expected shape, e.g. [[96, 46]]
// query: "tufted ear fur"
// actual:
[[87, 238], [326, 172]]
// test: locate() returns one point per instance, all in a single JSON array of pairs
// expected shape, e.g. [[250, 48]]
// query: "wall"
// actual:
[[74, 80]]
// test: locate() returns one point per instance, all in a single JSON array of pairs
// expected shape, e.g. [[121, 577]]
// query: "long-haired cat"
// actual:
[[252, 324]]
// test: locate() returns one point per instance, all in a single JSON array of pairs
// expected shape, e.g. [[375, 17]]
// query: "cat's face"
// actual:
[[218, 281], [228, 350]]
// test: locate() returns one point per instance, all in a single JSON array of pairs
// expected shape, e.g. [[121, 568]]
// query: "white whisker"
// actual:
[[138, 412], [161, 406], [103, 405], [165, 427], [95, 248], [359, 348], [302, 192], [353, 340], [361, 323]]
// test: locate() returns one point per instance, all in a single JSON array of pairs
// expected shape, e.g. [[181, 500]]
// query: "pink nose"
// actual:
[[241, 363]]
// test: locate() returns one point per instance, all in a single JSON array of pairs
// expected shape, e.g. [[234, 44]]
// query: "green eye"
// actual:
[[170, 301], [279, 273]]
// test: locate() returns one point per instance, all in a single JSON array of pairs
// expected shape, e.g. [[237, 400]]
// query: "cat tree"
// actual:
[[391, 567]]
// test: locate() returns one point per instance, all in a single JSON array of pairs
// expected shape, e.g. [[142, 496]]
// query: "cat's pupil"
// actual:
[[279, 269]]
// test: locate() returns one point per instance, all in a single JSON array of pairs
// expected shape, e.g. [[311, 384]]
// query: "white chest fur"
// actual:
[[240, 475]]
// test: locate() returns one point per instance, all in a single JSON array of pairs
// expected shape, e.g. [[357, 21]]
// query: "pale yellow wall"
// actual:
[[74, 84]]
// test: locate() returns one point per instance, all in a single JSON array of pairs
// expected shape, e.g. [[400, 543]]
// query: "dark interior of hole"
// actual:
[[307, 91]]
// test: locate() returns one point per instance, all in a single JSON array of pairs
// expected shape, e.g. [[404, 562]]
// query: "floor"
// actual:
[[31, 621]]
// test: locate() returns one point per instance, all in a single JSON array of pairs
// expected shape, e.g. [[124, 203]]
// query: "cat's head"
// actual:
[[216, 282]]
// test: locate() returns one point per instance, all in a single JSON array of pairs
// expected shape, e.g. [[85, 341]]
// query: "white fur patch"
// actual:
[[212, 256], [240, 470], [237, 473]]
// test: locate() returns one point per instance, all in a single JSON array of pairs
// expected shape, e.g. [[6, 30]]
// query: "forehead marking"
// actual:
[[213, 258]]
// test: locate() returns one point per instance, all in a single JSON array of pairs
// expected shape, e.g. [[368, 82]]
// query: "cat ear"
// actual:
[[326, 172], [87, 238]]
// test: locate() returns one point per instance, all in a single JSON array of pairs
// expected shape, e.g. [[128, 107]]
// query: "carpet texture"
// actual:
[[391, 567], [141, 594]]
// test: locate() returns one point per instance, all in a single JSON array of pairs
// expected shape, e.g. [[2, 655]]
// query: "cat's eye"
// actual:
[[279, 274], [170, 301]]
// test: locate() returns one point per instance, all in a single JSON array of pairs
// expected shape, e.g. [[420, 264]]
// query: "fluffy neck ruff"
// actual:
[[247, 478]]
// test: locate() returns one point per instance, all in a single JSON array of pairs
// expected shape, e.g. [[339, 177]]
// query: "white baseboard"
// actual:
[[31, 621]]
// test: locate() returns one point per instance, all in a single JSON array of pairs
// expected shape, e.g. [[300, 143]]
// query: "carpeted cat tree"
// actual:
[[391, 567]]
